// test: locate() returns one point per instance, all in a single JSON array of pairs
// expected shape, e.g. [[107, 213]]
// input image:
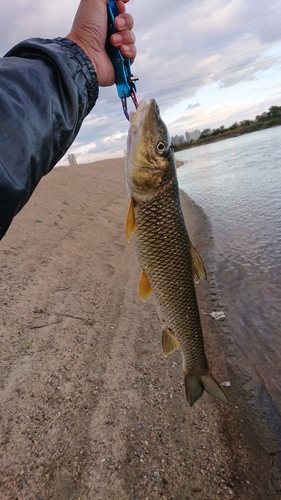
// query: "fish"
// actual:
[[170, 264]]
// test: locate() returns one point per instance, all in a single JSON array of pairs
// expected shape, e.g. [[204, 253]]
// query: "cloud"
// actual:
[[213, 116], [192, 106], [248, 71], [183, 47], [21, 19]]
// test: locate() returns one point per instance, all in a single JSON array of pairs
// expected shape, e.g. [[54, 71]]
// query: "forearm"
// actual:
[[47, 88]]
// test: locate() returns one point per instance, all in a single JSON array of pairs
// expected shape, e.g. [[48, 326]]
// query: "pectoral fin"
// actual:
[[198, 268], [130, 225], [169, 342], [145, 289]]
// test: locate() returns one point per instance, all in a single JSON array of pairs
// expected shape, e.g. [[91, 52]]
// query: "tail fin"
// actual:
[[196, 384]]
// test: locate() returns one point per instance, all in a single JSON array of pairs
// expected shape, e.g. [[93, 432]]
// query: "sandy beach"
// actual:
[[90, 408]]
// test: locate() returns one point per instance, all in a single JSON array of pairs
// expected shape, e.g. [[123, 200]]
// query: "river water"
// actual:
[[237, 182]]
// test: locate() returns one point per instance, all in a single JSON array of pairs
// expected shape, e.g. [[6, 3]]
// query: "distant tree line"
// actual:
[[270, 118]]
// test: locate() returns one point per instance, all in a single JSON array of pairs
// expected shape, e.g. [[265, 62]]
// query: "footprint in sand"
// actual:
[[107, 269]]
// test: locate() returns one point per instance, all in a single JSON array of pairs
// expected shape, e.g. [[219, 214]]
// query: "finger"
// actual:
[[129, 51], [123, 22], [123, 37], [120, 4]]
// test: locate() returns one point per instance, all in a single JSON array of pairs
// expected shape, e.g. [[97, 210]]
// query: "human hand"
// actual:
[[89, 31]]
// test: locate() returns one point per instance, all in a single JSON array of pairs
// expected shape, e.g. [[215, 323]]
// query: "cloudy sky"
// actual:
[[206, 62]]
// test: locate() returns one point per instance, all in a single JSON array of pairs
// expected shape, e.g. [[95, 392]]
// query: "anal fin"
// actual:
[[169, 342]]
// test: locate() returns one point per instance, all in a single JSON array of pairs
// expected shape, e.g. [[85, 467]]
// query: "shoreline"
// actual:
[[90, 407], [222, 137]]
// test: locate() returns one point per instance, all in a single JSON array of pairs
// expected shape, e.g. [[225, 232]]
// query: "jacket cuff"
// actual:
[[66, 52], [78, 55]]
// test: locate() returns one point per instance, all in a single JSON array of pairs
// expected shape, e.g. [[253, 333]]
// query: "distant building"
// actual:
[[194, 135], [178, 139], [72, 160]]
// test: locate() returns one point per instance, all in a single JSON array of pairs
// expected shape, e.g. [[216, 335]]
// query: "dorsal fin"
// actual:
[[198, 268]]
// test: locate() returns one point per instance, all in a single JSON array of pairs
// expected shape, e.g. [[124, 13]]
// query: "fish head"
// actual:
[[149, 162]]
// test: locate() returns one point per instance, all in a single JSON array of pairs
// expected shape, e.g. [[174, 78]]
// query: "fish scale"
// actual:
[[162, 244]]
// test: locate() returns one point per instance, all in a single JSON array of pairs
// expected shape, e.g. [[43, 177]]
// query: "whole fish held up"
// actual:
[[169, 262]]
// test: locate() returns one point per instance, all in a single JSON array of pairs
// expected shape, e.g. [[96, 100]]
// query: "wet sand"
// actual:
[[90, 408]]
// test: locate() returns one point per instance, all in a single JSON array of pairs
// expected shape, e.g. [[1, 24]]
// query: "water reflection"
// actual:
[[238, 182]]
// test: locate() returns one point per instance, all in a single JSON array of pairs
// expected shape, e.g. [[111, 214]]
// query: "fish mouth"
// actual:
[[137, 119]]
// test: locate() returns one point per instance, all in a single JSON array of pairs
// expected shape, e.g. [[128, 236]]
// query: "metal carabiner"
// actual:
[[124, 103], [124, 79]]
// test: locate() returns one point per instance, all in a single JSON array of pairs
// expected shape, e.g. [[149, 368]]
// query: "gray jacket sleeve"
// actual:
[[47, 88]]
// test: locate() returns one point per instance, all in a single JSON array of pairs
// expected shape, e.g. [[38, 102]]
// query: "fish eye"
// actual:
[[160, 146]]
